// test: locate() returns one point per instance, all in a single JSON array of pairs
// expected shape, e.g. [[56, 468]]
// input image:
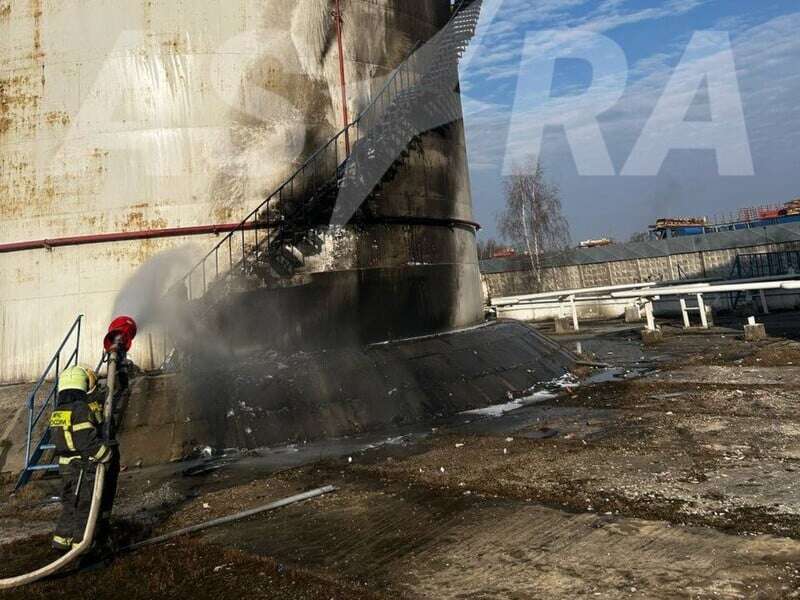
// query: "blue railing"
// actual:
[[767, 264], [43, 396]]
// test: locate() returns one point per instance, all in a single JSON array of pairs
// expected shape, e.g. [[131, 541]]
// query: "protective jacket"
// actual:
[[76, 430]]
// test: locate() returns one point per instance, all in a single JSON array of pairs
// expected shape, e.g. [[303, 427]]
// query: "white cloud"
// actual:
[[501, 36], [766, 58]]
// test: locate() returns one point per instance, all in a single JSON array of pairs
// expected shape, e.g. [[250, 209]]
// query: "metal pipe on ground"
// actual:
[[231, 518]]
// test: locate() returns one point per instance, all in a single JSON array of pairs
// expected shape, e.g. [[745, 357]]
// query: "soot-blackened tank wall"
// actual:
[[125, 115]]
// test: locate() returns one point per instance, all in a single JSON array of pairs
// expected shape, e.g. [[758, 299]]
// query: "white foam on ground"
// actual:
[[551, 391], [498, 410]]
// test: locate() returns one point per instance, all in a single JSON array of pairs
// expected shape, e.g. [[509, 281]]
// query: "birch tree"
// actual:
[[532, 219]]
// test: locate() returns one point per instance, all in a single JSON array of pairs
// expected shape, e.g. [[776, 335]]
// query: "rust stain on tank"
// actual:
[[24, 275], [57, 117], [18, 102], [17, 186], [5, 106], [98, 158], [5, 9], [223, 214], [136, 221], [49, 188], [174, 45], [147, 9], [36, 12]]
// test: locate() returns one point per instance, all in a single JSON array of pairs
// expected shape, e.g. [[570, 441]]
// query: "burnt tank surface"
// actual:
[[135, 116], [269, 399]]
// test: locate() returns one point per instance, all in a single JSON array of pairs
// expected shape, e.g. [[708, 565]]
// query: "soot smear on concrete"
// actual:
[[267, 398]]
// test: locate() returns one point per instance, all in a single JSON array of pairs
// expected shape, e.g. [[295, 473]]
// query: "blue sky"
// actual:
[[654, 38]]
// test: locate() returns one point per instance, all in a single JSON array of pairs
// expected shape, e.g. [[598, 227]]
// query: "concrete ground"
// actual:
[[675, 474]]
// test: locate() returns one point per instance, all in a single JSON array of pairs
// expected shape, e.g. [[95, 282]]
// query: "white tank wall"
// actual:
[[50, 288], [123, 115]]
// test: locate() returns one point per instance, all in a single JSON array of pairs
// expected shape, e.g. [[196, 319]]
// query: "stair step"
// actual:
[[52, 467], [425, 101]]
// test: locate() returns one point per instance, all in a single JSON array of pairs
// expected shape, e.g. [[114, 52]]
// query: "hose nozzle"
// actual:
[[122, 329]]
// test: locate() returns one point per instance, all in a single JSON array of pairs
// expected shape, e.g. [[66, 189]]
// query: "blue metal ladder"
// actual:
[[39, 409]]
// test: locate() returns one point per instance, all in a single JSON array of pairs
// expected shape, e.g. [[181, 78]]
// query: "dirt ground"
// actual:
[[675, 475]]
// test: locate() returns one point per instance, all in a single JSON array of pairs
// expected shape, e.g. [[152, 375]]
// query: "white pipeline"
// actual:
[[602, 291], [708, 289]]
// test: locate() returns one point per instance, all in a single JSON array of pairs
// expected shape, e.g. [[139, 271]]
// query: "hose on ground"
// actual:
[[97, 494], [76, 551]]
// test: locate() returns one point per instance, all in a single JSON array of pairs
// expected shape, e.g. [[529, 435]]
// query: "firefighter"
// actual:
[[76, 427]]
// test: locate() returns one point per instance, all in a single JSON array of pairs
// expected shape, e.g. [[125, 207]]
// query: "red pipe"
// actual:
[[337, 14], [148, 234], [123, 236]]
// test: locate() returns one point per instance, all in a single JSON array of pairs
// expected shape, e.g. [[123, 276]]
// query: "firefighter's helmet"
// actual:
[[78, 377]]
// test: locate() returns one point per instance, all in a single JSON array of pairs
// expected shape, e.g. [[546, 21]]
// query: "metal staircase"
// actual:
[[330, 187], [42, 400]]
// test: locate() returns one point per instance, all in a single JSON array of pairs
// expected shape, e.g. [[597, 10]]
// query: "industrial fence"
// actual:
[[767, 264], [773, 250]]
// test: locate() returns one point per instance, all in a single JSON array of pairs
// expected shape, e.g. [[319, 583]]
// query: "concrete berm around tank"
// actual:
[[266, 398], [260, 398]]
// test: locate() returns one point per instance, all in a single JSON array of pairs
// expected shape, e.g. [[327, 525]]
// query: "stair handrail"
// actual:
[[253, 221], [54, 368]]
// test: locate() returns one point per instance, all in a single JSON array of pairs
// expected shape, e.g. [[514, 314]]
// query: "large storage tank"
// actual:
[[134, 115]]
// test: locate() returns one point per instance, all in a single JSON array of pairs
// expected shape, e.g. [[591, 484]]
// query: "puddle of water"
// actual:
[[616, 374]]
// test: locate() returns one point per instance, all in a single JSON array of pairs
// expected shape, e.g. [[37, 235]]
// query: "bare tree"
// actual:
[[532, 219]]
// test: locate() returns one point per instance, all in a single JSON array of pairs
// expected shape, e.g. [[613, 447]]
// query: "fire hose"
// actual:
[[116, 341], [76, 551]]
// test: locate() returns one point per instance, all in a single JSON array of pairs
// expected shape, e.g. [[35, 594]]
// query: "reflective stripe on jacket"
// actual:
[[76, 430]]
